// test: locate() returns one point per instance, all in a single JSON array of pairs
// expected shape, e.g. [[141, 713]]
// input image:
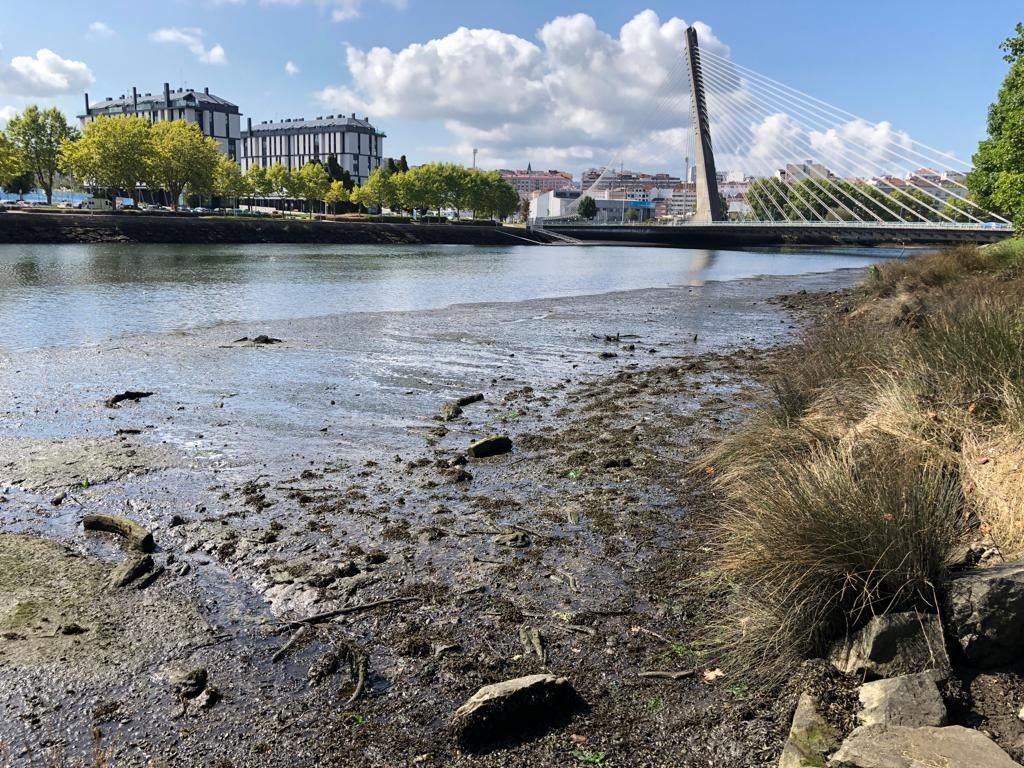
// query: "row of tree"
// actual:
[[118, 154]]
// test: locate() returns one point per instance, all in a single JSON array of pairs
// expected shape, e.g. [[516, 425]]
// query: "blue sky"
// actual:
[[519, 82]]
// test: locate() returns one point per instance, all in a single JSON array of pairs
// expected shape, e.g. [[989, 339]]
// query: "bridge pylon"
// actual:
[[709, 202]]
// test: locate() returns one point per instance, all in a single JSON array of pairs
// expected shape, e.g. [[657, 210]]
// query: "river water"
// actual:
[[374, 337]]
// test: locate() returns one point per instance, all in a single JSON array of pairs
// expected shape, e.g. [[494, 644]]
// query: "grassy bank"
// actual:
[[867, 473]]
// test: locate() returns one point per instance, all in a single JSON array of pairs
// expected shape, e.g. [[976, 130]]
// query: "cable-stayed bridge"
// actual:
[[765, 164]]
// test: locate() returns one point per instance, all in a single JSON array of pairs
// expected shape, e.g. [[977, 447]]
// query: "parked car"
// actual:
[[200, 210]]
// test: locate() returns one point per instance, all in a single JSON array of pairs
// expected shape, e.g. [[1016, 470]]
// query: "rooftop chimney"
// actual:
[[249, 124], [167, 95], [353, 115], [135, 99], [86, 103], [206, 90]]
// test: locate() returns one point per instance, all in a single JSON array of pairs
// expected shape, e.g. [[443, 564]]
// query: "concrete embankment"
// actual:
[[92, 228]]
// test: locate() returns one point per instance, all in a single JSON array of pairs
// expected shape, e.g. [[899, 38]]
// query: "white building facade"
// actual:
[[356, 144], [216, 117]]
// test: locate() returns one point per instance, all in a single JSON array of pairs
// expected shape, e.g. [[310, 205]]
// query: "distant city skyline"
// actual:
[[557, 85]]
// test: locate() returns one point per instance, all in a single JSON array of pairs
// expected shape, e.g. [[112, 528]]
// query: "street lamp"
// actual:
[[475, 150]]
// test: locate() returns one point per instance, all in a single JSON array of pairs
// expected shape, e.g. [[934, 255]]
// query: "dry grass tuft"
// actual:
[[868, 468]]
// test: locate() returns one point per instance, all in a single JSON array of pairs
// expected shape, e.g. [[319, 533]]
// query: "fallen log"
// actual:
[[137, 536]]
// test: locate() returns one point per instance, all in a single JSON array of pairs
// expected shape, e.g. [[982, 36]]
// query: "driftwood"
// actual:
[[360, 679], [662, 675], [328, 615], [296, 636], [137, 536]]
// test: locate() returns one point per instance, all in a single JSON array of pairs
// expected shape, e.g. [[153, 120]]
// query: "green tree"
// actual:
[[587, 207], [403, 165], [256, 182], [278, 179], [11, 163], [22, 184], [336, 195], [38, 135], [183, 157], [114, 154], [228, 180], [380, 190], [998, 175], [769, 200], [314, 183]]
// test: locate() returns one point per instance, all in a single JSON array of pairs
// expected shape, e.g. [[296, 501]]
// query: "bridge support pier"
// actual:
[[709, 202]]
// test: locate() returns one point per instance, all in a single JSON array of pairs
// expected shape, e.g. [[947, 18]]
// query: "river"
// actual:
[[374, 337]]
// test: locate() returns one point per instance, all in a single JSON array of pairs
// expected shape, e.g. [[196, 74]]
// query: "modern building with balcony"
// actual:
[[355, 143], [217, 118]]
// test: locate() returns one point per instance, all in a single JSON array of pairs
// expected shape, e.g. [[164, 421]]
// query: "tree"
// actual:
[[278, 179], [114, 153], [183, 157], [998, 174], [38, 135], [11, 163], [228, 181], [380, 190], [524, 209], [336, 195], [256, 182], [392, 166], [334, 169], [587, 208], [22, 184], [403, 165], [314, 183]]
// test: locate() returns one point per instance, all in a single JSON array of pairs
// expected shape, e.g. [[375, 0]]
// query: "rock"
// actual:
[[71, 628], [208, 697], [489, 446], [457, 475], [882, 746], [891, 645], [512, 710], [465, 400], [910, 700], [985, 613], [450, 411], [811, 737], [376, 557], [264, 339], [112, 402], [129, 570], [188, 685], [516, 539], [59, 499]]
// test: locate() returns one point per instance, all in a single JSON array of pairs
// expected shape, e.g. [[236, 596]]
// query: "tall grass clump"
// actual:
[[869, 466]]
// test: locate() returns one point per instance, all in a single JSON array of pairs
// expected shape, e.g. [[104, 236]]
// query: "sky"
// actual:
[[557, 84]]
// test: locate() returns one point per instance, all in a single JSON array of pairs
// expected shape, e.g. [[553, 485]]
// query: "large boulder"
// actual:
[[495, 445], [911, 700], [893, 644], [512, 710], [883, 746], [811, 737], [985, 613]]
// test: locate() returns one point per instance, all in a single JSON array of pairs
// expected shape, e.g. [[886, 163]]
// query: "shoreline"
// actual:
[[20, 228]]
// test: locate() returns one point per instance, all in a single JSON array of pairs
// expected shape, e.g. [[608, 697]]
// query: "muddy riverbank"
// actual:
[[27, 228], [574, 553]]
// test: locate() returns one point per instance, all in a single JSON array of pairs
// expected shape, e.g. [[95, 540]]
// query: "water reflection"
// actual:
[[81, 293]]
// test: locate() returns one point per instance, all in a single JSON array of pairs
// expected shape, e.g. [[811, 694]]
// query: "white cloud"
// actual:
[[191, 38], [6, 113], [45, 74], [291, 68], [571, 97], [101, 29]]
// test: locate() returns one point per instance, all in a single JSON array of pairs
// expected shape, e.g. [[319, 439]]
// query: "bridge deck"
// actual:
[[747, 234]]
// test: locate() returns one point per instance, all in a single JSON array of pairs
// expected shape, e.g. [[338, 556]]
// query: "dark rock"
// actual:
[[322, 667], [516, 539], [208, 697], [493, 445], [71, 628], [112, 402], [893, 644], [264, 339], [462, 402], [376, 557], [136, 536], [190, 684], [514, 710], [457, 475], [175, 521], [59, 499], [985, 613]]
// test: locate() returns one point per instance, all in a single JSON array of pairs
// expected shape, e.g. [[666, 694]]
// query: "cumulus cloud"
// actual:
[[101, 29], [571, 96], [193, 39], [45, 74], [340, 10], [291, 68], [6, 113]]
